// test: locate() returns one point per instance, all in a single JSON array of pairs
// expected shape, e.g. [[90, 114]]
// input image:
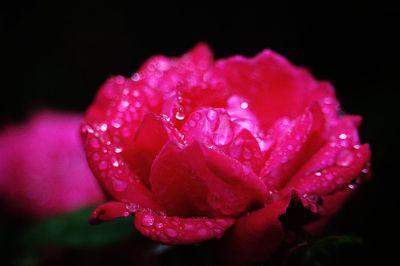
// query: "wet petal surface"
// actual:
[[180, 231]]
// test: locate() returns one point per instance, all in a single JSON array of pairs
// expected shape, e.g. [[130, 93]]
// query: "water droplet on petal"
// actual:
[[135, 77], [94, 143], [103, 165], [192, 123], [116, 123], [318, 173], [343, 136], [244, 105], [135, 93], [212, 114], [132, 207], [118, 150], [147, 220], [171, 232], [344, 158], [103, 127], [159, 225], [87, 129], [188, 227], [180, 115], [203, 232], [222, 222], [119, 185]]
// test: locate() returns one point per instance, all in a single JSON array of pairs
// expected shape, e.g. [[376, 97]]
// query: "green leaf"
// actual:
[[74, 230], [329, 251]]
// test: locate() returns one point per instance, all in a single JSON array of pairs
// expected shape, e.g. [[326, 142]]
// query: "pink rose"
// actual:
[[200, 149], [43, 170]]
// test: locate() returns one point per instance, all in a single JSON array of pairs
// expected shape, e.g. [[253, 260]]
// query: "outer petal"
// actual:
[[348, 166], [105, 159], [196, 181], [180, 231], [298, 141], [341, 160], [255, 237], [109, 211], [273, 86], [183, 83]]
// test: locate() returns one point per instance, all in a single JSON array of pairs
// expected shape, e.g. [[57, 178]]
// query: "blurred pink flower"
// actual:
[[43, 170]]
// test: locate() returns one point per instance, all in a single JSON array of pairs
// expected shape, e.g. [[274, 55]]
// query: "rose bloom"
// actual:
[[199, 149], [43, 171]]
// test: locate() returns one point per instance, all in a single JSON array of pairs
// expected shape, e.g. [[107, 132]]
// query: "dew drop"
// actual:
[[192, 123], [116, 123], [147, 220], [103, 165], [344, 158], [103, 127], [132, 207], [188, 227], [180, 115], [212, 115], [203, 232], [118, 150], [196, 116], [115, 163], [244, 105], [171, 232], [87, 129], [135, 77], [343, 136], [159, 225], [135, 93], [94, 143], [318, 173], [119, 185], [222, 222], [120, 80], [352, 186]]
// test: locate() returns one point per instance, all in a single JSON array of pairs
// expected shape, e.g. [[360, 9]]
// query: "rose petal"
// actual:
[[255, 237], [182, 84], [341, 160], [151, 136], [214, 128], [210, 126], [298, 141], [343, 136], [273, 87], [180, 231], [108, 211], [107, 163], [196, 181], [119, 107], [348, 166]]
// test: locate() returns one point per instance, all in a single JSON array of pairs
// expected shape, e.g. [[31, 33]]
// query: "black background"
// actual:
[[57, 56]]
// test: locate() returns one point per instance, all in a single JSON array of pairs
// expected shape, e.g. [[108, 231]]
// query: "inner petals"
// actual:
[[151, 136], [297, 142], [195, 181]]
